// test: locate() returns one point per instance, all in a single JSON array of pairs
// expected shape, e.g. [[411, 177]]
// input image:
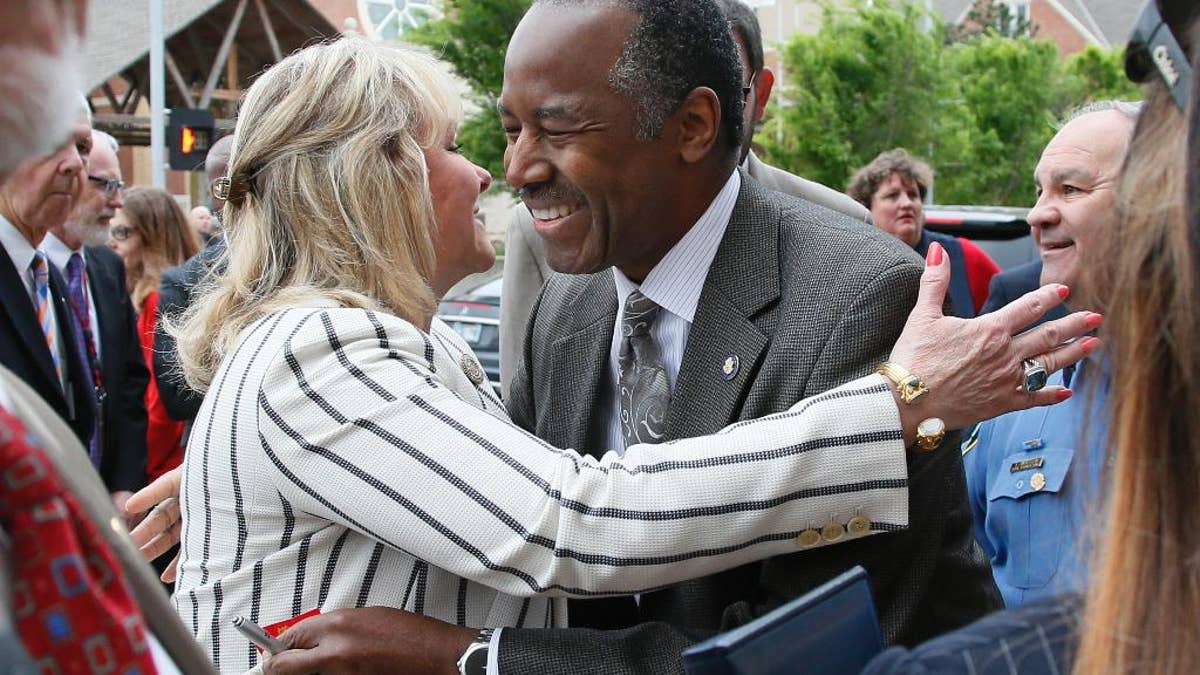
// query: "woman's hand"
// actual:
[[159, 530], [973, 367]]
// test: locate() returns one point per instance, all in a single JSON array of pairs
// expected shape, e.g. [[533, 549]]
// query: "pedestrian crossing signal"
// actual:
[[189, 136]]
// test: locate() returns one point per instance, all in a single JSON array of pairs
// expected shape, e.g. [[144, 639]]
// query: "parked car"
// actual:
[[1001, 231], [472, 309]]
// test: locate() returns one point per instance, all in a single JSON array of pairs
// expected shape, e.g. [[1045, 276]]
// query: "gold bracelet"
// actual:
[[909, 386]]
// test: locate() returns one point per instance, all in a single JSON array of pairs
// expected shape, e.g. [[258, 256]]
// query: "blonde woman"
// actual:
[[150, 233], [349, 451]]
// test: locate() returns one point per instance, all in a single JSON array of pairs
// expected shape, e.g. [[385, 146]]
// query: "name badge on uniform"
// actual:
[[1027, 464]]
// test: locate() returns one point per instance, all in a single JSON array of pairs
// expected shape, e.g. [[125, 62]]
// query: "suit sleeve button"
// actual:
[[858, 526], [808, 538], [832, 532]]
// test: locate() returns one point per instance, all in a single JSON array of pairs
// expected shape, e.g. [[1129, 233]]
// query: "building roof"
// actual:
[[1110, 21], [118, 37]]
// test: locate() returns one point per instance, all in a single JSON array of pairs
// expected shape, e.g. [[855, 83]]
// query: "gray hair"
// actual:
[[108, 139], [1130, 109]]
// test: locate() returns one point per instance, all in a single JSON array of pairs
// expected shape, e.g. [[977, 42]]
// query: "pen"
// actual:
[[258, 636]]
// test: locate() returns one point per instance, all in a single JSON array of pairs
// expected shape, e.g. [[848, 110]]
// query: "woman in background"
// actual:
[[151, 233], [893, 187]]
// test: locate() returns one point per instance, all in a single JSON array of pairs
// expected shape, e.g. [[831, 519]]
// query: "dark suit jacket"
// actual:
[[23, 349], [808, 299], [174, 296], [1012, 284], [123, 458]]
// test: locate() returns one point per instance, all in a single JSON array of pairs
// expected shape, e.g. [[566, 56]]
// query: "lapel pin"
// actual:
[[729, 369], [471, 369]]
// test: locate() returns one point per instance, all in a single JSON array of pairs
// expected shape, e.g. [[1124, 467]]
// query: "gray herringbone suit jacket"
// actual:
[[807, 299]]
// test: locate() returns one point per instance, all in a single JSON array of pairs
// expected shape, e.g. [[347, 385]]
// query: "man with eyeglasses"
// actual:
[[525, 267], [106, 323]]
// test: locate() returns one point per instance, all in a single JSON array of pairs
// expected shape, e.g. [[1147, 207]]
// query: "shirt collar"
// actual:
[[676, 281], [58, 252], [18, 247]]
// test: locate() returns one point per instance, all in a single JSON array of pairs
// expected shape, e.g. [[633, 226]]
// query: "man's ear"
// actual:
[[699, 123], [763, 84]]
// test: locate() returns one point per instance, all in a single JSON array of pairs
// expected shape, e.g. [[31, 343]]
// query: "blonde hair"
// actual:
[[1144, 592], [332, 193], [166, 239]]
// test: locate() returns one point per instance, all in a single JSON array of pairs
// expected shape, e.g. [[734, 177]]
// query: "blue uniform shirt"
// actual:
[[1033, 488]]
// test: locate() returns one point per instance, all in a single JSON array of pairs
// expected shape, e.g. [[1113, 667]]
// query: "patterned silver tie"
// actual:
[[645, 394]]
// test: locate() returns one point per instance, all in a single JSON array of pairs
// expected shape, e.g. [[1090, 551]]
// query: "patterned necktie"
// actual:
[[645, 393], [81, 327], [42, 302], [71, 605]]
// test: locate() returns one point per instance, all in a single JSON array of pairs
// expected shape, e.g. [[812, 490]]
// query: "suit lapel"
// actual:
[[580, 364], [725, 348], [18, 306]]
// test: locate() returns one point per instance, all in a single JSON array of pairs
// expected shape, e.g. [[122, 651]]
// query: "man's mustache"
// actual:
[[552, 193]]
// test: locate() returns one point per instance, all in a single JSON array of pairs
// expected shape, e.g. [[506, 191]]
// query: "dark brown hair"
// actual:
[[867, 179]]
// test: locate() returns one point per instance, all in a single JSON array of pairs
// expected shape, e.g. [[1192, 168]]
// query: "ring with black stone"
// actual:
[[1034, 376]]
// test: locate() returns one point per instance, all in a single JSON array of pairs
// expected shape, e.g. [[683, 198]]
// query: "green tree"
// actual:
[[1099, 74], [882, 74], [869, 80], [472, 37], [1014, 90], [990, 17]]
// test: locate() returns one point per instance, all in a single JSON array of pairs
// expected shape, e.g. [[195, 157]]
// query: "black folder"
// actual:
[[832, 630]]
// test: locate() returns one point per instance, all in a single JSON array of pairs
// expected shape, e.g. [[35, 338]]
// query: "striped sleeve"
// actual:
[[361, 430]]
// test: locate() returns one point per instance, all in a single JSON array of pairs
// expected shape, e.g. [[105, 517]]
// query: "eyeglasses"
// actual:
[[111, 186], [1153, 50], [120, 232]]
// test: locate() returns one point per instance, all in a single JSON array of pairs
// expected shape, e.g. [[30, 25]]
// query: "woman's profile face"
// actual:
[[461, 241], [125, 240]]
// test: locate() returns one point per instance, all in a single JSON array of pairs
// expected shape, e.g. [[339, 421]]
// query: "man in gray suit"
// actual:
[[525, 267], [787, 299]]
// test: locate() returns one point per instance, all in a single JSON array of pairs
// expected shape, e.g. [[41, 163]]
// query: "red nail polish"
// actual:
[[1062, 395], [934, 255], [1090, 344], [1063, 292]]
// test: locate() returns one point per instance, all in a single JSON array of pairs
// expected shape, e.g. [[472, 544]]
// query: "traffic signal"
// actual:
[[189, 136]]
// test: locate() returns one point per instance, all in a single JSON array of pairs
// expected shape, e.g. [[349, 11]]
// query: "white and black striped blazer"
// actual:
[[342, 458]]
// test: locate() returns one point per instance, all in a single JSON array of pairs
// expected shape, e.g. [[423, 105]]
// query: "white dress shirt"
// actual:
[[674, 284], [59, 254], [21, 252]]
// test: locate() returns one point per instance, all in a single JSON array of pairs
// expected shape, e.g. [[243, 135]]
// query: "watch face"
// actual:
[[476, 661], [931, 427]]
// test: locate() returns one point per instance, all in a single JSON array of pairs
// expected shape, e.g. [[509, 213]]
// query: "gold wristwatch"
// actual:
[[930, 433], [908, 385]]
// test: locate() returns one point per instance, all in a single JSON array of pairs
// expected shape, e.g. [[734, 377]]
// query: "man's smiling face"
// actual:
[[595, 189], [1077, 179]]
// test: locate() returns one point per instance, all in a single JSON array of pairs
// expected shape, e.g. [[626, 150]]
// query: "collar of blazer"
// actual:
[[742, 283]]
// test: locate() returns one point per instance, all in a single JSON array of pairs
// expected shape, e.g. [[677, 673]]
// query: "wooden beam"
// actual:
[[222, 54], [270, 30], [231, 70], [111, 96], [184, 89]]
